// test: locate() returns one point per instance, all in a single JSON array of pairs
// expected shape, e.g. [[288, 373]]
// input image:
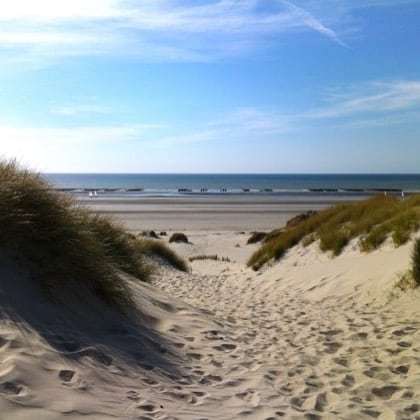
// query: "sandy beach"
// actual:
[[209, 213], [311, 337], [210, 210]]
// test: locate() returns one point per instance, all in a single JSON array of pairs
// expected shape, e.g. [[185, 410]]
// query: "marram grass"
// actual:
[[372, 220], [69, 251]]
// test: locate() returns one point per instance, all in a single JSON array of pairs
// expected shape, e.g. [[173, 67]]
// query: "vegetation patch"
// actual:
[[256, 237], [373, 220], [415, 260], [209, 257], [406, 282], [67, 250], [149, 234], [159, 249], [179, 238]]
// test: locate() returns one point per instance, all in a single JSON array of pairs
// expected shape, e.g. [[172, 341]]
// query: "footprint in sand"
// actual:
[[96, 355], [11, 388], [404, 344], [181, 396], [149, 408], [195, 356], [66, 375], [348, 381], [3, 342], [225, 347], [332, 347], [385, 392], [412, 409], [149, 381], [210, 379], [400, 370], [133, 396]]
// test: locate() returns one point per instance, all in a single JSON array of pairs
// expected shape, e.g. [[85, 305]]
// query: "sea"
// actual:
[[205, 184]]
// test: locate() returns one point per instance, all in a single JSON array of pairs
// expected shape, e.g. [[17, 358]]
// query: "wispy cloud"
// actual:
[[151, 30], [374, 97], [373, 104]]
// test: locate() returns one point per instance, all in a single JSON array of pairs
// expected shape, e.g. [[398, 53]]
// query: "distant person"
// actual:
[[402, 195]]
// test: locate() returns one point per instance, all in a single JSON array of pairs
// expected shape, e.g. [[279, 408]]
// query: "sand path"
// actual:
[[311, 337], [277, 354]]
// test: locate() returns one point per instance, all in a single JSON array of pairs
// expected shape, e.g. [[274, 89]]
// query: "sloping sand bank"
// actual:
[[311, 337]]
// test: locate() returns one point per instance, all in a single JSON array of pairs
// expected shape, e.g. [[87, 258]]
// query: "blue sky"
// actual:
[[211, 86]]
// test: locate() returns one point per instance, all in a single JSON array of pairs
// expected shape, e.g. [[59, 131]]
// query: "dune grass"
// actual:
[[179, 238], [256, 237], [372, 220], [68, 251], [415, 259], [152, 248]]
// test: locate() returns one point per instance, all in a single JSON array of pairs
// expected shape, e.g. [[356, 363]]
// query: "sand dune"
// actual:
[[311, 337]]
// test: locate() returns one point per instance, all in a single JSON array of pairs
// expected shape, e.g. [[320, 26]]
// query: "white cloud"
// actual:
[[372, 104], [151, 30], [42, 31], [374, 97], [47, 10]]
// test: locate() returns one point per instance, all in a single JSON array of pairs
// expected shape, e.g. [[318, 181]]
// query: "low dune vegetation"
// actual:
[[372, 221], [67, 250], [154, 248], [256, 237], [214, 257], [179, 238], [415, 259]]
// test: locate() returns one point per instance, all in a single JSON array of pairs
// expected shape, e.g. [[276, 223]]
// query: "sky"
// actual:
[[203, 86]]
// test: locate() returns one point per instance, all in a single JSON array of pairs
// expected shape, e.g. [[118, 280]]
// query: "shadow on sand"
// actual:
[[86, 328]]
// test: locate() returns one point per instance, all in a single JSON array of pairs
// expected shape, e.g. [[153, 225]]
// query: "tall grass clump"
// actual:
[[68, 251], [372, 220], [154, 248], [415, 260]]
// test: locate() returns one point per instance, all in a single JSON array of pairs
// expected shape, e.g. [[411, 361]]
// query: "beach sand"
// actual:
[[312, 337], [210, 213]]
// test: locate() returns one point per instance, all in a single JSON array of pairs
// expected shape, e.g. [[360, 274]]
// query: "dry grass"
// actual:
[[415, 259], [256, 237], [372, 220], [152, 248], [178, 238], [67, 250], [209, 257]]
